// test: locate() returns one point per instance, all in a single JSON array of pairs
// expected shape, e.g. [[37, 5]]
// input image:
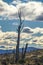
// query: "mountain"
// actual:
[[6, 51], [29, 49]]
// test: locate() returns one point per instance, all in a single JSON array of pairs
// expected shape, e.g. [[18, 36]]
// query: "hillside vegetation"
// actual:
[[31, 58]]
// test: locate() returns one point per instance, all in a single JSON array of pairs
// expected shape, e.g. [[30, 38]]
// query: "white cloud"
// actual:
[[10, 38], [34, 30], [16, 2], [31, 10], [7, 10], [37, 29], [0, 27]]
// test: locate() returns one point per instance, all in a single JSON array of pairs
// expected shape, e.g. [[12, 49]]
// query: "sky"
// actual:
[[32, 28]]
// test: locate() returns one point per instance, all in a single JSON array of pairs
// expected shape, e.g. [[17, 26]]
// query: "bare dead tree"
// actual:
[[18, 39], [20, 27]]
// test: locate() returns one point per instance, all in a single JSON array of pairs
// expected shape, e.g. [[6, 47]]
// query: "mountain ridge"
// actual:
[[29, 49]]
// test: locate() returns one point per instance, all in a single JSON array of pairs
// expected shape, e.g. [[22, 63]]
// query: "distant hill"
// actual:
[[29, 49]]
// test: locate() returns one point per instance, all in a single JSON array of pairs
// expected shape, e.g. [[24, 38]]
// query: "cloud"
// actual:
[[0, 27], [27, 30], [31, 10], [40, 18], [33, 30], [9, 39], [38, 30], [7, 10], [16, 2]]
